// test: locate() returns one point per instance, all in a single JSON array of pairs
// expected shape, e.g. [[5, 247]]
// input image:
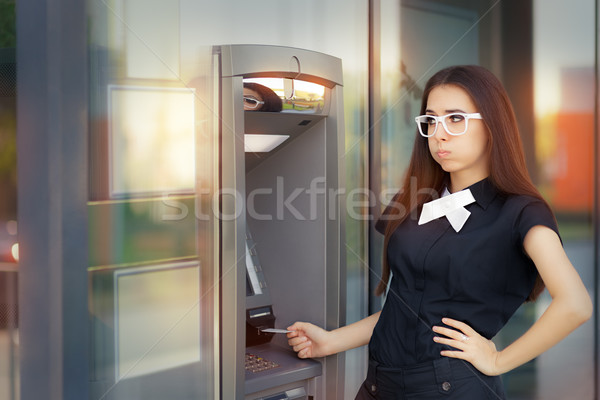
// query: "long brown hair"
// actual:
[[508, 171]]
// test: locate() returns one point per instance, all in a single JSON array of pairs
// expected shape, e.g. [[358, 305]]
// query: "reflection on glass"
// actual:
[[9, 334], [259, 97], [8, 153], [152, 140], [14, 251], [296, 95], [142, 231], [157, 324], [409, 56], [153, 134], [8, 242], [564, 139], [566, 143], [151, 52]]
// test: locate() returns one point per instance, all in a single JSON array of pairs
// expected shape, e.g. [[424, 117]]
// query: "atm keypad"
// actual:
[[256, 363]]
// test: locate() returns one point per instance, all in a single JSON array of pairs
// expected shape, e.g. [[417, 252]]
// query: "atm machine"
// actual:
[[281, 219]]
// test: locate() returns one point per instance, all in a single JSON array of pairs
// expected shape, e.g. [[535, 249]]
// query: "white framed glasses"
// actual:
[[455, 123], [251, 102]]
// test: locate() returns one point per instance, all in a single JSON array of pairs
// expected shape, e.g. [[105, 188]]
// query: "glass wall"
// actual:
[[543, 51], [9, 256], [564, 41], [152, 237]]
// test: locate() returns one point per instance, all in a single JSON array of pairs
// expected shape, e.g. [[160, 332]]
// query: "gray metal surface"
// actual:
[[52, 195], [233, 240], [288, 62]]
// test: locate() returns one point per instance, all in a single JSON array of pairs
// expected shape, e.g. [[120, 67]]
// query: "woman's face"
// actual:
[[465, 157]]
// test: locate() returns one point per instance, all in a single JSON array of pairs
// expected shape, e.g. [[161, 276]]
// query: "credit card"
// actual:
[[273, 330]]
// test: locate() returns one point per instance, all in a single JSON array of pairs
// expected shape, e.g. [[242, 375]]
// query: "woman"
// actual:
[[467, 263]]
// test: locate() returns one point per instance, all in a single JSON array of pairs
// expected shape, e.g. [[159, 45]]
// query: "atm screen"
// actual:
[[296, 96], [253, 286]]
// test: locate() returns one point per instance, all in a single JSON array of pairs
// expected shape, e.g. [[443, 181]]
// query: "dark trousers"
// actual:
[[445, 378]]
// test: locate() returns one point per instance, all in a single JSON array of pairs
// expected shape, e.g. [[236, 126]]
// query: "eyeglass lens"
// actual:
[[250, 102], [453, 123]]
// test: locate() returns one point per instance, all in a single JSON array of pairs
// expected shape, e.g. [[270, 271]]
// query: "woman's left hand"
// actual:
[[472, 347]]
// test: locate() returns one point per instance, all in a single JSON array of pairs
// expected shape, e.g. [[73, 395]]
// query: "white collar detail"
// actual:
[[450, 205]]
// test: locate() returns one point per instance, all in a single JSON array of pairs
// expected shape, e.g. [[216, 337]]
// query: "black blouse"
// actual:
[[480, 275]]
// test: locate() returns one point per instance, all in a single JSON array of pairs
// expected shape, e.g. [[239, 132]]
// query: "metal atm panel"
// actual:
[[281, 223]]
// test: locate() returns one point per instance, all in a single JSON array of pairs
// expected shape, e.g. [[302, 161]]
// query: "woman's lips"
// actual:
[[443, 153]]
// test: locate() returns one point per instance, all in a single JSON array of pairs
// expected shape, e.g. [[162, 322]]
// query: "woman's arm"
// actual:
[[570, 307], [310, 341]]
